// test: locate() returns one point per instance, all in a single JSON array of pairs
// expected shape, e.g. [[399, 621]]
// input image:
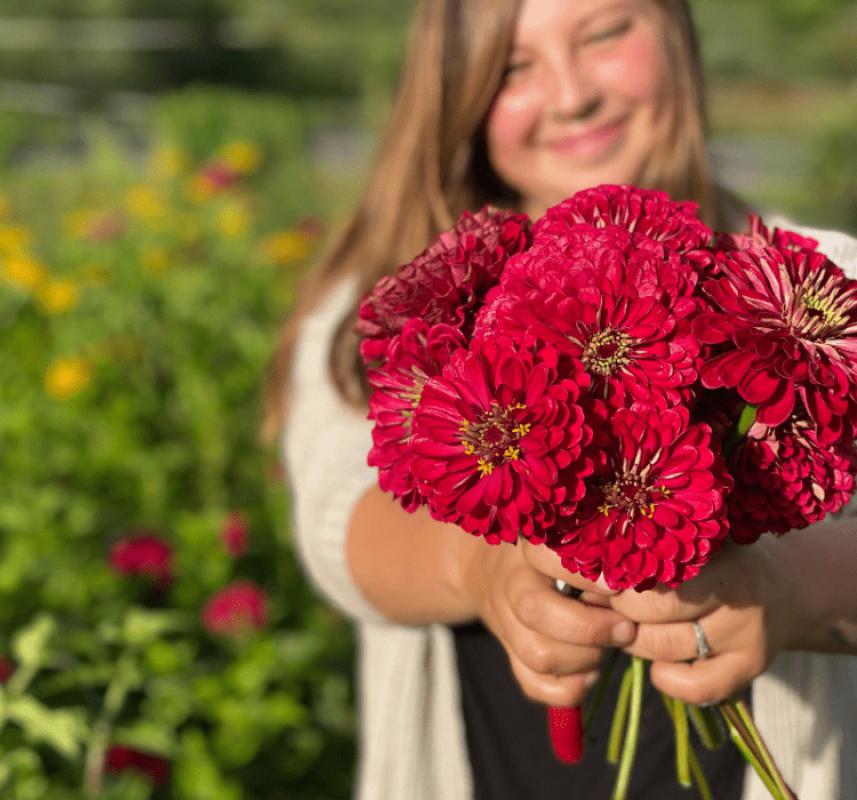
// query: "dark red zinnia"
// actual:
[[501, 441], [759, 235], [658, 513], [146, 555], [647, 214], [120, 759], [788, 321], [785, 479], [420, 352], [235, 534], [236, 608], [444, 284]]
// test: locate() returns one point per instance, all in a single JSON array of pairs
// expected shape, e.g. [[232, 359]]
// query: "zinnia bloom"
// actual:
[[145, 555], [445, 283], [785, 479], [419, 353], [234, 534], [236, 608], [759, 235], [647, 214], [789, 319], [119, 759], [626, 317], [501, 441], [658, 513]]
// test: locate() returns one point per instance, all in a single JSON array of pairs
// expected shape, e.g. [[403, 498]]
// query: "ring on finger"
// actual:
[[703, 649], [569, 591]]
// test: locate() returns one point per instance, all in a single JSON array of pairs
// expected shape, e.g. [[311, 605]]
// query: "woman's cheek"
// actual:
[[635, 67], [512, 118]]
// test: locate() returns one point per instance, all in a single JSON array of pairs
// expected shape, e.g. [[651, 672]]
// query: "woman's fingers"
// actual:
[[552, 690], [665, 605], [539, 607], [676, 641], [705, 681], [547, 562], [547, 656]]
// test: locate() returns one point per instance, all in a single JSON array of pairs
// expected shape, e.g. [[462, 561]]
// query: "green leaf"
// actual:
[[62, 729], [30, 644], [143, 626]]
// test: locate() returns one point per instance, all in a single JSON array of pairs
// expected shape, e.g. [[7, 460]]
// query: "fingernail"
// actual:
[[590, 679], [623, 632]]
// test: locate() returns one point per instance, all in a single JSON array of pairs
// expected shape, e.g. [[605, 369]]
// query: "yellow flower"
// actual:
[[286, 247], [57, 296], [168, 162], [66, 377], [144, 202], [24, 272], [233, 220], [155, 260], [198, 189], [13, 239], [241, 156]]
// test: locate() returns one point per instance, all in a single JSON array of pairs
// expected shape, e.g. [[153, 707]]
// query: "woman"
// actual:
[[521, 104]]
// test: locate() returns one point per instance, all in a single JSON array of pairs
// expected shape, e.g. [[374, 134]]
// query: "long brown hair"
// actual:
[[432, 163]]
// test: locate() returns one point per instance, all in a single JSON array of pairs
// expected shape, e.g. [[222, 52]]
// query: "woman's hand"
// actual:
[[751, 604], [554, 642]]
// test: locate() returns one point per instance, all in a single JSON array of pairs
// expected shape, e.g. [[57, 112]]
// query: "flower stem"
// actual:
[[706, 726], [767, 759], [632, 734], [620, 714], [750, 758], [600, 691], [699, 778], [682, 743], [737, 434]]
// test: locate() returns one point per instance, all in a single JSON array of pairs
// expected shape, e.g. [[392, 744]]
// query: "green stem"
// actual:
[[767, 759], [620, 714], [737, 434], [682, 743], [600, 691], [750, 758], [699, 778], [632, 734], [705, 724]]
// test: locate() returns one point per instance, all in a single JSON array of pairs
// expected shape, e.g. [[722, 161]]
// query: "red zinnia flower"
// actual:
[[785, 479], [119, 759], [446, 282], [501, 441], [790, 320], [420, 352], [236, 608], [234, 534], [144, 555], [625, 317], [7, 669], [759, 235], [659, 512], [647, 214]]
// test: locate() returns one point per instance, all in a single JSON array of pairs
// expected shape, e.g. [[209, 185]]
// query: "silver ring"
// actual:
[[569, 591], [703, 650]]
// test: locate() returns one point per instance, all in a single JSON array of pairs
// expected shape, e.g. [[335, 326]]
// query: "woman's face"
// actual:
[[580, 100]]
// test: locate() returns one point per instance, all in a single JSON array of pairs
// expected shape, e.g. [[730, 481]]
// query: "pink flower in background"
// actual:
[[238, 607], [788, 320], [446, 282], [658, 513], [143, 555], [645, 213], [217, 176], [235, 534], [420, 352], [120, 759], [785, 479], [501, 445]]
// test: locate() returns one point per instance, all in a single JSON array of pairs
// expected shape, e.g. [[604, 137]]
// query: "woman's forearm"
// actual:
[[824, 563], [412, 568]]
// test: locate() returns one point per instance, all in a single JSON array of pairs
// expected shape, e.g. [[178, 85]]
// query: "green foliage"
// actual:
[[140, 304]]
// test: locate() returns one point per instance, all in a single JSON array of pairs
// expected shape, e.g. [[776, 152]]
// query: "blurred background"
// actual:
[[168, 170]]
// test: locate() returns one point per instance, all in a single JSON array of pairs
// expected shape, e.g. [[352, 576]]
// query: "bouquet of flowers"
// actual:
[[624, 386]]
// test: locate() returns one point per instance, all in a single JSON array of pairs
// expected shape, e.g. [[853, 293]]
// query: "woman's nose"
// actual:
[[571, 94]]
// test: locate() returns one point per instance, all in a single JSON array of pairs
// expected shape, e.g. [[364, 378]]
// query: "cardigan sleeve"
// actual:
[[325, 444]]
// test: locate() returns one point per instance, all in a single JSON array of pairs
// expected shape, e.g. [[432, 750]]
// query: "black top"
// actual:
[[509, 744]]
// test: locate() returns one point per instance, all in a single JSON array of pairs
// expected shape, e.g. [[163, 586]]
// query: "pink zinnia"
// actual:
[[501, 441], [625, 317], [146, 555], [444, 284], [785, 479], [647, 214], [788, 320], [238, 607], [658, 513], [120, 759], [235, 534], [759, 235], [420, 352]]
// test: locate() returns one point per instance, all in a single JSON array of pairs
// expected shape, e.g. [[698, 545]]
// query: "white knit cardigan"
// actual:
[[412, 741]]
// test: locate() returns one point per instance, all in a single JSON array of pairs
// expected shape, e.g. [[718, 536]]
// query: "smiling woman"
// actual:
[[518, 104]]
